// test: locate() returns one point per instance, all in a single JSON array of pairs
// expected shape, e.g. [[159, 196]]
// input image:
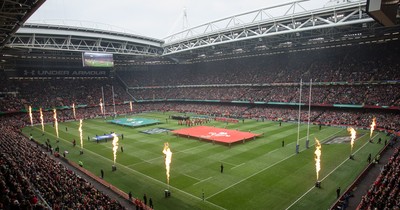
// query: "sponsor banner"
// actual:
[[338, 140], [104, 137], [64, 73], [134, 122], [341, 139], [155, 130]]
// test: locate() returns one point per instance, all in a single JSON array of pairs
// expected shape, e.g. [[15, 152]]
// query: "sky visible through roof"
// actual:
[[151, 18]]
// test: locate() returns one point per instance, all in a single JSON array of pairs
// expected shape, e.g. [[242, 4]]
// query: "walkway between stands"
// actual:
[[363, 186], [124, 202]]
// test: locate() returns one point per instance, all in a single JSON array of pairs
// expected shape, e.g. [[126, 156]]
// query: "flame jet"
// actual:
[[168, 157], [373, 126], [317, 157], [55, 121], [80, 132], [115, 146], [73, 110], [30, 115], [101, 107], [41, 119], [352, 136]]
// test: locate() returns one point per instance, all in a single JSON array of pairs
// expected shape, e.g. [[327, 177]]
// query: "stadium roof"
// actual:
[[243, 35], [13, 13], [259, 32]]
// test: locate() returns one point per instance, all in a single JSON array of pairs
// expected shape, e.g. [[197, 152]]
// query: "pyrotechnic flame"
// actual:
[[55, 121], [115, 146], [80, 132], [373, 126], [130, 103], [73, 110], [41, 119], [352, 136], [317, 157], [168, 158], [30, 115], [101, 106]]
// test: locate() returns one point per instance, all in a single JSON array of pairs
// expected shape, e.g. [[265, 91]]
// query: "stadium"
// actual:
[[259, 110]]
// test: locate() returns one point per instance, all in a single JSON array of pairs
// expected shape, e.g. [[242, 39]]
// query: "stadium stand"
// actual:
[[342, 76], [33, 180], [384, 192], [377, 63]]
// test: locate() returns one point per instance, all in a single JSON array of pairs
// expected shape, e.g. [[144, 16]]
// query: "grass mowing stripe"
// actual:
[[275, 188], [260, 171], [69, 142], [272, 151], [203, 180], [238, 166], [144, 175], [228, 163], [328, 174], [263, 154], [183, 151], [192, 177]]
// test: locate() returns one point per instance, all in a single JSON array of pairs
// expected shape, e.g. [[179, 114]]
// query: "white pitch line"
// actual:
[[189, 193], [149, 177], [133, 164], [161, 156], [192, 177], [265, 154], [274, 150], [250, 176], [203, 180], [261, 170], [327, 175], [147, 161], [234, 165], [238, 166], [155, 180]]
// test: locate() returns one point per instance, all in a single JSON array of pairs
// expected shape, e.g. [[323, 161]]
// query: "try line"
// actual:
[[327, 175], [262, 170]]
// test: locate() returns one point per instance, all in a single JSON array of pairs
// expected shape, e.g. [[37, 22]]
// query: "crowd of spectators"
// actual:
[[61, 92], [376, 95], [30, 179], [60, 187], [369, 64], [389, 121], [22, 170], [43, 96], [384, 193], [377, 62], [359, 118]]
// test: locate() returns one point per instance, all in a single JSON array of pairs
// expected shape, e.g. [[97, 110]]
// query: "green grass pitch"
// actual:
[[258, 174]]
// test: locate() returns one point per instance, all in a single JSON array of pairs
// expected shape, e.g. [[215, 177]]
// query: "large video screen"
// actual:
[[97, 59]]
